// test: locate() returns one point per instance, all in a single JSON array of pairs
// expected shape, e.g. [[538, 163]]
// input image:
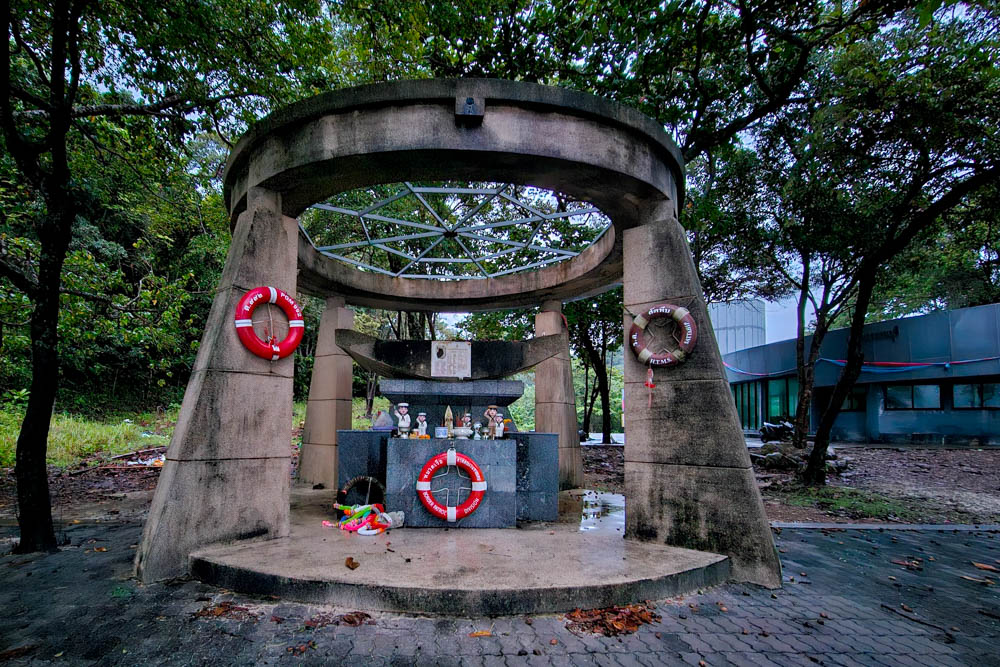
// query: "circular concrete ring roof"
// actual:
[[586, 147]]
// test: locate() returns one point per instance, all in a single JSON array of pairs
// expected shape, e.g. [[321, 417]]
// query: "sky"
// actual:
[[779, 320]]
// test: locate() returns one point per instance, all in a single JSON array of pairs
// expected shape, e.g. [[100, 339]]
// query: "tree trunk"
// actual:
[[601, 375], [370, 394], [33, 502], [815, 471]]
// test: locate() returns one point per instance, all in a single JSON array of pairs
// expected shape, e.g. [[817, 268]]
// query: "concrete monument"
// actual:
[[687, 472]]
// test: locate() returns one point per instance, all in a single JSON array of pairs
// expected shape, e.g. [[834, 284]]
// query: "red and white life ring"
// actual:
[[244, 323], [672, 356], [446, 512]]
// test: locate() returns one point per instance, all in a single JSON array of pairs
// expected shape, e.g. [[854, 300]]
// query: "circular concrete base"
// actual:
[[458, 572]]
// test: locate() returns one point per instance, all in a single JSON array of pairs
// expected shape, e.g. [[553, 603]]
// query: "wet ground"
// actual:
[[850, 598]]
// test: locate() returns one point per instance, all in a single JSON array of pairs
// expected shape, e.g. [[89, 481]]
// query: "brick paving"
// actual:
[[80, 607]]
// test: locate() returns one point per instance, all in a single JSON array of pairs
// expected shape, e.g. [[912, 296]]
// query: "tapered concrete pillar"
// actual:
[[555, 400], [688, 478], [329, 406], [226, 476]]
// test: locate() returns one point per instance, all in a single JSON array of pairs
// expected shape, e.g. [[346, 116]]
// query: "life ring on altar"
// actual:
[[268, 349], [670, 357], [448, 512]]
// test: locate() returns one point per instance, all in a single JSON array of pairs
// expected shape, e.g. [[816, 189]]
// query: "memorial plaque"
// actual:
[[451, 359]]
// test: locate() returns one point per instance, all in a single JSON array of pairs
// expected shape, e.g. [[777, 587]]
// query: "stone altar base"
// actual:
[[536, 475], [457, 572], [496, 458]]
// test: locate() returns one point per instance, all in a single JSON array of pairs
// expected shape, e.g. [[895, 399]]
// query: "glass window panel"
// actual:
[[926, 396], [966, 396], [991, 395], [793, 396], [776, 398], [898, 397]]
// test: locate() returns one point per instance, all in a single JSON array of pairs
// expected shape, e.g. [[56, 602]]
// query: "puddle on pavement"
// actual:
[[603, 512]]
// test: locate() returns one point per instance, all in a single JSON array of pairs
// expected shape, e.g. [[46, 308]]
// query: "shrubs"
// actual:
[[72, 439]]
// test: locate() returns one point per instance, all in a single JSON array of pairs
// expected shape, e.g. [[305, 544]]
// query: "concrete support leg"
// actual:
[[555, 400], [688, 479], [227, 471], [329, 406]]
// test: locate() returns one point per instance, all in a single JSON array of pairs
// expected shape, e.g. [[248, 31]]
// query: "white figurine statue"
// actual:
[[499, 426], [402, 418], [421, 423]]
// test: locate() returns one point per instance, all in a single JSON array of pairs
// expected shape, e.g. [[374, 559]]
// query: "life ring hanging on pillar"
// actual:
[[268, 349], [448, 512], [669, 357]]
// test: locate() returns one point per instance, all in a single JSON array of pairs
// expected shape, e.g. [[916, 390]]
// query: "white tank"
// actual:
[[738, 324]]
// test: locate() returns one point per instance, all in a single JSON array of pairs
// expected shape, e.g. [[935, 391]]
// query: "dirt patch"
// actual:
[[604, 468], [895, 485]]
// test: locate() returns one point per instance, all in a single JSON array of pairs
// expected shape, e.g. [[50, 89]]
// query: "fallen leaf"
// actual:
[[481, 633], [822, 614], [102, 549], [611, 621], [553, 642], [351, 563], [59, 654], [984, 566], [227, 609], [986, 582], [905, 607], [892, 578]]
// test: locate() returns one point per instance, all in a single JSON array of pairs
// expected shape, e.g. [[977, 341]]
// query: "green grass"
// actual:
[[855, 503], [73, 439], [358, 420]]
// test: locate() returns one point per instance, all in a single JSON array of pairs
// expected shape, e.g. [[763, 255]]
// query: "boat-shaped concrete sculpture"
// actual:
[[401, 359]]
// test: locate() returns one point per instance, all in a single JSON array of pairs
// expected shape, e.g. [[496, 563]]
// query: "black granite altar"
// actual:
[[536, 480], [361, 453], [496, 458], [537, 476], [472, 396]]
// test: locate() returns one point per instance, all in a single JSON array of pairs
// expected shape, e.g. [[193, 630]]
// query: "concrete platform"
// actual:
[[548, 567]]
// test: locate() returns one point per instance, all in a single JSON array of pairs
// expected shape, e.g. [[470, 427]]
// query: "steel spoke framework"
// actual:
[[474, 233]]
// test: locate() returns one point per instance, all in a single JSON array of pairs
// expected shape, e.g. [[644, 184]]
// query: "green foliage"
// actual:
[[522, 411], [72, 438]]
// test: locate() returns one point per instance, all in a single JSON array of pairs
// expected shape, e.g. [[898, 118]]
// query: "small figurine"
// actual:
[[478, 428], [499, 426], [490, 414], [467, 420], [402, 418], [421, 423]]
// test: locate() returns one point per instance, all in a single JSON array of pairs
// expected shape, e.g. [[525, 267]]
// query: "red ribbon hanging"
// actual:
[[650, 385]]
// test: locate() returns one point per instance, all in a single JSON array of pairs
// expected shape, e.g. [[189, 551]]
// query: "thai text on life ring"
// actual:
[[444, 460], [244, 323], [671, 356]]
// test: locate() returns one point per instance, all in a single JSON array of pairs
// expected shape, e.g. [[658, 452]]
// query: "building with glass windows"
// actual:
[[928, 379]]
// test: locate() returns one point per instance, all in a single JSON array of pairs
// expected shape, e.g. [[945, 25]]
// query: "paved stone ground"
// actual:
[[79, 606]]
